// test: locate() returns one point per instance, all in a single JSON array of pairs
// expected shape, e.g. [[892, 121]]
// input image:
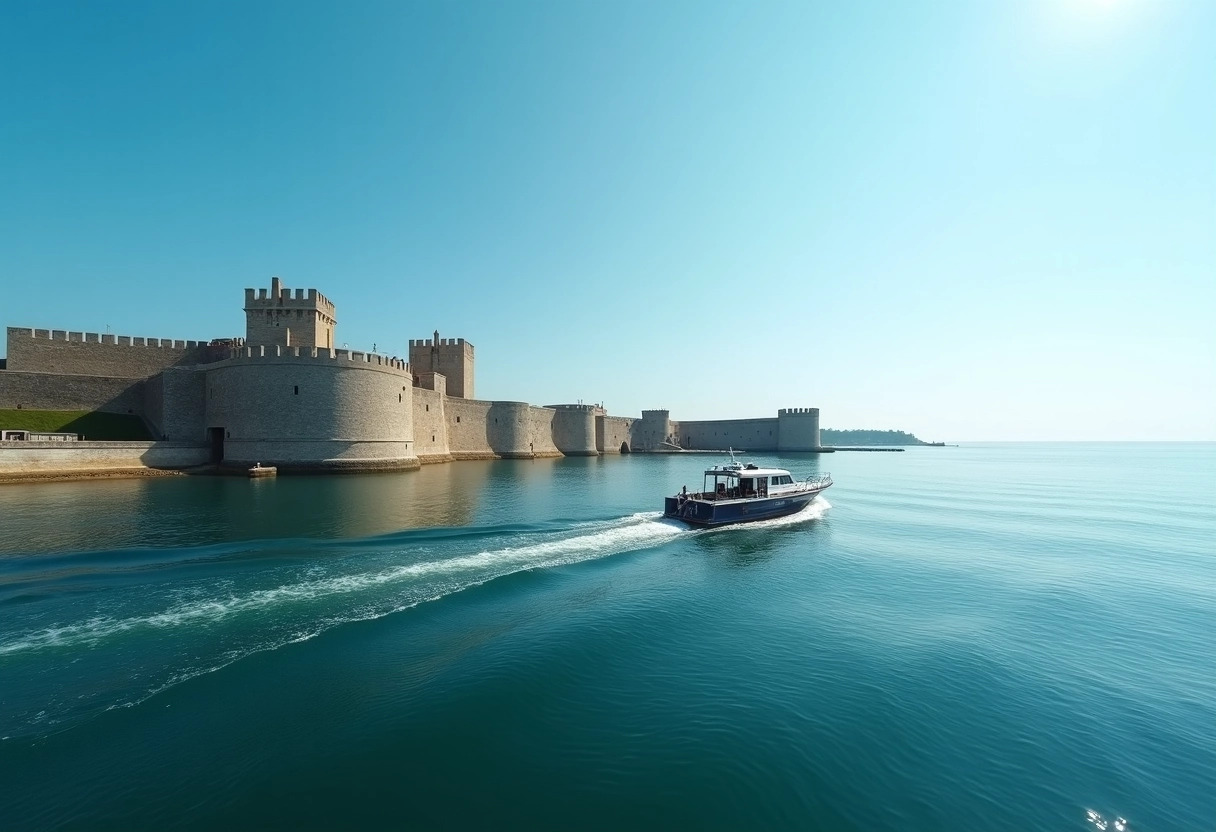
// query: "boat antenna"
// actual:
[[731, 451]]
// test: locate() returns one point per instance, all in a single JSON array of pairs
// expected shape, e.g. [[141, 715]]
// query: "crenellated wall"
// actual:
[[96, 354], [313, 409]]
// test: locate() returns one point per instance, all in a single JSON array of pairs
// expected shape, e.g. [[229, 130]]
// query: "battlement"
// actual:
[[656, 414], [798, 411], [280, 296], [102, 338], [443, 342], [586, 408], [254, 353]]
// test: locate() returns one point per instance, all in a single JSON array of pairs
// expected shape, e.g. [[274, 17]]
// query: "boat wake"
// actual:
[[177, 626]]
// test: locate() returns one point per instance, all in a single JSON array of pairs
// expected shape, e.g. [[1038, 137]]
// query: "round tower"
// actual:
[[798, 429], [652, 431]]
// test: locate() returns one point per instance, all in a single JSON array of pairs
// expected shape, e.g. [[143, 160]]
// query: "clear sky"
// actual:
[[969, 220]]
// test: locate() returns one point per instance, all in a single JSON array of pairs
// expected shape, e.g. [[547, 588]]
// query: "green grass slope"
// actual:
[[113, 427]]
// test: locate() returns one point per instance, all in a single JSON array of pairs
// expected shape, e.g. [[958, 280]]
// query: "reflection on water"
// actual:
[[752, 543], [73, 516], [192, 511]]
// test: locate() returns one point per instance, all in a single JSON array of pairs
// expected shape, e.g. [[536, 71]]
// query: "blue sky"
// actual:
[[970, 220]]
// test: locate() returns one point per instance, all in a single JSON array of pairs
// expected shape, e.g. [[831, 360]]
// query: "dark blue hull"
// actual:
[[697, 512]]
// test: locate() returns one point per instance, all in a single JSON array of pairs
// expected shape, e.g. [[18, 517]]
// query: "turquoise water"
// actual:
[[985, 637]]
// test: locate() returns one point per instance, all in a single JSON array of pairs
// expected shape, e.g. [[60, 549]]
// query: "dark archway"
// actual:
[[624, 447], [216, 436]]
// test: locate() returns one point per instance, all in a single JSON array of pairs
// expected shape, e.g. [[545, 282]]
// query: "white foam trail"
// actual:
[[638, 531]]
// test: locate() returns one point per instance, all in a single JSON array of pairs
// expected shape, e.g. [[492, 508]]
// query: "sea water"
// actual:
[[997, 637]]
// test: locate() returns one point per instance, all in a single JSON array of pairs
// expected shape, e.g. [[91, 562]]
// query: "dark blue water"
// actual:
[[986, 637]]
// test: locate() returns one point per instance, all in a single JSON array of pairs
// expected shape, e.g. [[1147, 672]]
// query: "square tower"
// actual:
[[305, 320], [453, 357]]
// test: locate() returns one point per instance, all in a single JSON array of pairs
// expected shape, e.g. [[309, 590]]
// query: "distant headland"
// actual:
[[830, 436]]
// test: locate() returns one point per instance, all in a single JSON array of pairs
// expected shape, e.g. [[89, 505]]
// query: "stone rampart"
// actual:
[[510, 429], [101, 354], [312, 409], [573, 429], [541, 430], [652, 430], [57, 391], [499, 430], [175, 404], [720, 434], [468, 429], [18, 458], [798, 429], [430, 426], [613, 434]]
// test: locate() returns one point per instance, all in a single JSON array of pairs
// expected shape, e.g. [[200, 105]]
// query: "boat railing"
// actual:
[[824, 479]]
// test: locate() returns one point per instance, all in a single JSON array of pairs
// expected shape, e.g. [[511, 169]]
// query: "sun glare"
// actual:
[[1087, 20]]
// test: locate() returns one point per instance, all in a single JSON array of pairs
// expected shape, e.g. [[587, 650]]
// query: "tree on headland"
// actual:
[[828, 436]]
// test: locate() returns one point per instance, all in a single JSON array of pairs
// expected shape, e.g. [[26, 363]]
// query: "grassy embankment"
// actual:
[[114, 427]]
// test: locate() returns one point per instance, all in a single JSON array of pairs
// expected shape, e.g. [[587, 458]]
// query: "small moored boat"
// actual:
[[742, 493]]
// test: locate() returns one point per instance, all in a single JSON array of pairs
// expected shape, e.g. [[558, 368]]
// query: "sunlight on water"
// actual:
[[964, 629]]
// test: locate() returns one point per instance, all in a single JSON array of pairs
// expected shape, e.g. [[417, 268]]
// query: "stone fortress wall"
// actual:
[[94, 354], [60, 391], [312, 408], [283, 396], [795, 429]]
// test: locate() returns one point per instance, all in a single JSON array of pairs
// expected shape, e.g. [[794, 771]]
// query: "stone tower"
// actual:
[[452, 357], [798, 429], [305, 320]]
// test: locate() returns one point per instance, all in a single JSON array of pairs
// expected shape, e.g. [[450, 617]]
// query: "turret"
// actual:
[[453, 357], [798, 429], [306, 319]]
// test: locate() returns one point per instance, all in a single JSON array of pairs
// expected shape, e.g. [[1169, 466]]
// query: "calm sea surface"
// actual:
[[988, 637]]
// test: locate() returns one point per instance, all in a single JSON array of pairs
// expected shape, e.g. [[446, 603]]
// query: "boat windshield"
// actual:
[[731, 485]]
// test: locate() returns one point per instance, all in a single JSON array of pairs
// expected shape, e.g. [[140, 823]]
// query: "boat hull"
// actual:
[[697, 512]]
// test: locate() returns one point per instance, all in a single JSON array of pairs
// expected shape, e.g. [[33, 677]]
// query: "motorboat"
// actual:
[[742, 492]]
